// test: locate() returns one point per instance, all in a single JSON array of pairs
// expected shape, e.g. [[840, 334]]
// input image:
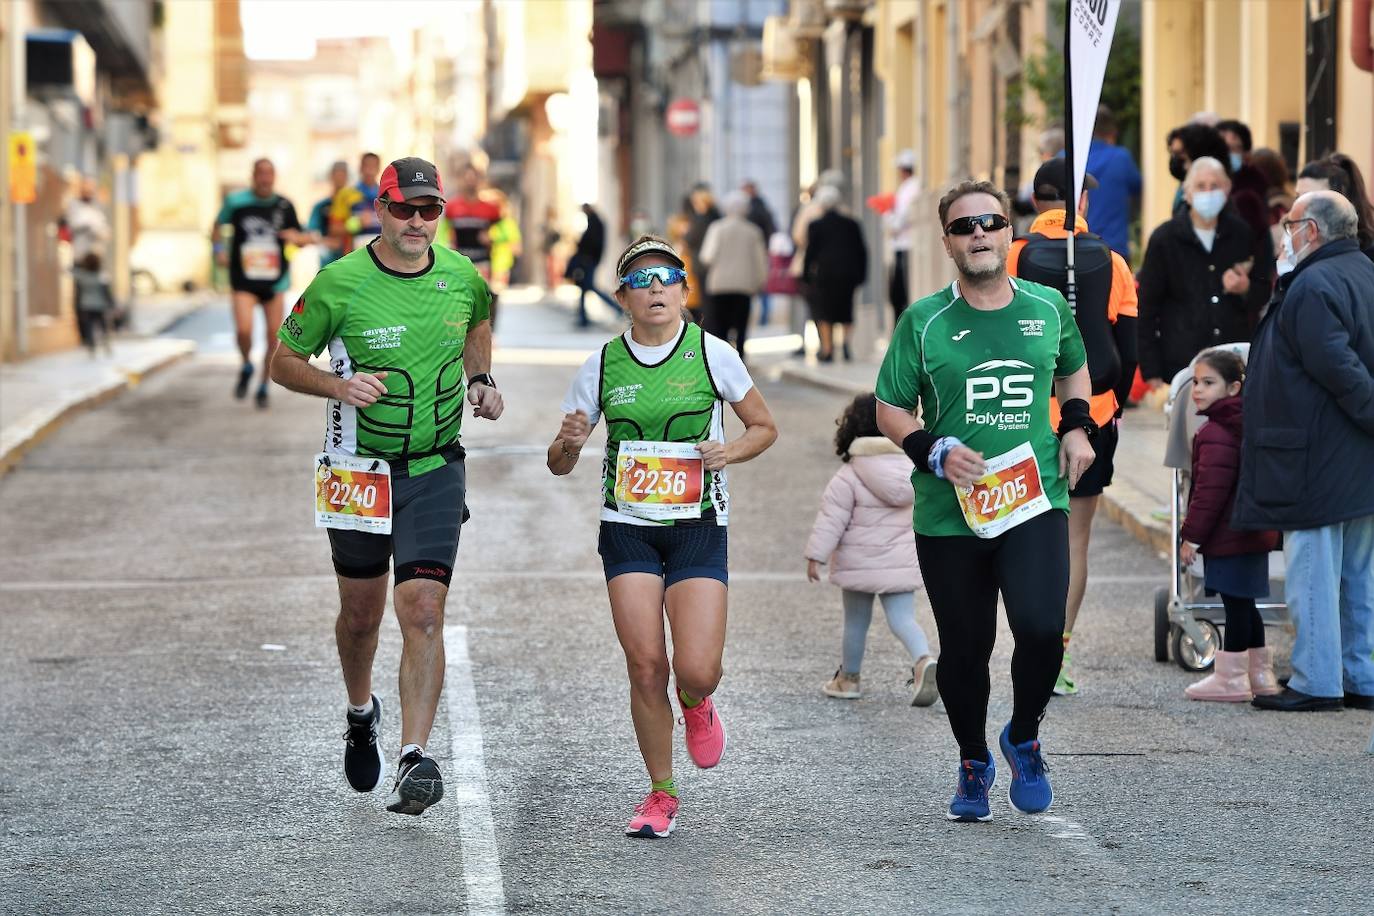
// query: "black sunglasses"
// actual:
[[428, 212], [964, 225]]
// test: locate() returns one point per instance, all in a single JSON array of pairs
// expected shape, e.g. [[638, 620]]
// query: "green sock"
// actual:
[[668, 785], [687, 700]]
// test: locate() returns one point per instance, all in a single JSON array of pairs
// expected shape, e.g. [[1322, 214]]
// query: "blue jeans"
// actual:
[[1330, 594]]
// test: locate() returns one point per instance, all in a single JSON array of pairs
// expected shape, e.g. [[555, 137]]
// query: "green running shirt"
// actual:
[[985, 377], [411, 326], [672, 401]]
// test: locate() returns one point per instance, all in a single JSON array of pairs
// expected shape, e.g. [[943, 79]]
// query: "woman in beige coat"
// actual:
[[863, 530], [735, 254]]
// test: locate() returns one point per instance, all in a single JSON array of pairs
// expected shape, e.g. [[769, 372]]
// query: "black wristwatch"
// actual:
[[482, 378]]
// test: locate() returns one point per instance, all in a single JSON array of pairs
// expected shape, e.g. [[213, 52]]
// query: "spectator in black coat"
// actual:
[[1308, 452], [702, 213], [836, 265], [760, 215], [1201, 283], [582, 265]]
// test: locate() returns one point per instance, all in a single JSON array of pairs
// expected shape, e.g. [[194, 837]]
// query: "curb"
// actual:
[[39, 424], [1122, 502]]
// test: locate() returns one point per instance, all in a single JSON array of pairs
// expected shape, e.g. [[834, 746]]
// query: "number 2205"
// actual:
[[994, 499]]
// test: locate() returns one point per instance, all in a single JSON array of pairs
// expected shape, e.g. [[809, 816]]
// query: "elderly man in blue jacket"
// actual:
[[1307, 459]]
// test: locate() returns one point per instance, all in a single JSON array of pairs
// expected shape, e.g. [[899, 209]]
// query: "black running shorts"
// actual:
[[1098, 476], [426, 518], [675, 552]]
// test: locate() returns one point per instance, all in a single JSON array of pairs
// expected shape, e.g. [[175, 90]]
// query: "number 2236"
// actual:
[[650, 482]]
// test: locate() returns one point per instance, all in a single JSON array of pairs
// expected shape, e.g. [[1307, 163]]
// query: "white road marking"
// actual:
[[468, 786], [1062, 828]]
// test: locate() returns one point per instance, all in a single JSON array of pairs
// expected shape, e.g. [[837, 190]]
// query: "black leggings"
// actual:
[[1029, 565], [729, 311], [1244, 625]]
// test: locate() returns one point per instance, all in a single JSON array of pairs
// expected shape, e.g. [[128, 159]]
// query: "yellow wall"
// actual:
[[178, 188], [1355, 100]]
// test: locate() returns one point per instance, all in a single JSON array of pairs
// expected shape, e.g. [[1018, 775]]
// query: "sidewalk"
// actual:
[[1141, 484], [38, 395]]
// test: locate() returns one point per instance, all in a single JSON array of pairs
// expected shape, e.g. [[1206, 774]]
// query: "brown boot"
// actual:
[[1229, 681], [1262, 680]]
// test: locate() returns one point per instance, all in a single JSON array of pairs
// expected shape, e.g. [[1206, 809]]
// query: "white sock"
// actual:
[[363, 710], [407, 748]]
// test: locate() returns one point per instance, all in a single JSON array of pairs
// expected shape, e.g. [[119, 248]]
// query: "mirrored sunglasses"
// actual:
[[964, 225], [645, 276]]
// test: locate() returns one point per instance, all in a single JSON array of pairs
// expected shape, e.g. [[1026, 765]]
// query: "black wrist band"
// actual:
[[917, 447], [482, 378], [1075, 414]]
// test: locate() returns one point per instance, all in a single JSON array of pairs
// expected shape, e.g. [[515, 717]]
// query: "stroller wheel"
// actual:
[[1192, 656], [1161, 624]]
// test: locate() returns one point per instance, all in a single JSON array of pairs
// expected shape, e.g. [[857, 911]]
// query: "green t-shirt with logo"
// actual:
[[411, 326], [985, 377], [673, 401]]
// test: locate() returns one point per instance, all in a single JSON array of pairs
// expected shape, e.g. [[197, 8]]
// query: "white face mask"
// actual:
[[1289, 255], [1207, 204], [1237, 160]]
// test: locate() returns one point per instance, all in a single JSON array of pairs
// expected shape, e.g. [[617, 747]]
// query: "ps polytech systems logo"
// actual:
[[1006, 392]]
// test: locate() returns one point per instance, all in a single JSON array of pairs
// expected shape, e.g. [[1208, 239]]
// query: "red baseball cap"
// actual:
[[410, 177]]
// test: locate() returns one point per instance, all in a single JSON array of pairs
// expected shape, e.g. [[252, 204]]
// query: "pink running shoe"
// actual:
[[654, 817], [705, 733]]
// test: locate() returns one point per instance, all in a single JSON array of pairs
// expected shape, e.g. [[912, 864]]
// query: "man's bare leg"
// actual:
[[361, 604], [420, 612]]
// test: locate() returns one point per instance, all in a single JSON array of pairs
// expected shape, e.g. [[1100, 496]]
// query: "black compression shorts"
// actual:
[[426, 519]]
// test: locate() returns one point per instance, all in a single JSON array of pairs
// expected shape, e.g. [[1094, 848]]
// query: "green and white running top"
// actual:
[[411, 326], [985, 377], [670, 393]]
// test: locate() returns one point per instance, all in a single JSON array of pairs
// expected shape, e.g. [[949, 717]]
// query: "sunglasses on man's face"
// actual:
[[428, 212], [964, 225], [645, 276]]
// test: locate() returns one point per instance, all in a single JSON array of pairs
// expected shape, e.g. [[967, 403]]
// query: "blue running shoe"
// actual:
[[1030, 791], [970, 802]]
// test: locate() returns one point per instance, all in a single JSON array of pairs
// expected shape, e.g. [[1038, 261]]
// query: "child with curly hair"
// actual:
[[863, 531]]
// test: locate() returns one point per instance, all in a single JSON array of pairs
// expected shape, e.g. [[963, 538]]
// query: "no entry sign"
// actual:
[[683, 117]]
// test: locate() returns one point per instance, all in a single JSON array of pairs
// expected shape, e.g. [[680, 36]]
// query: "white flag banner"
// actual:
[[1090, 25]]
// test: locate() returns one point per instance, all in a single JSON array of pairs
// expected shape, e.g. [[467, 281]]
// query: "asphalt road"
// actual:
[[173, 709]]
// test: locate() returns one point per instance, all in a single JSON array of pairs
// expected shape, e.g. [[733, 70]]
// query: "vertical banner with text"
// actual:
[[1090, 26]]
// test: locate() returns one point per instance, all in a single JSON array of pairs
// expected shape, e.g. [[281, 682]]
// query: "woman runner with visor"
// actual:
[[661, 388]]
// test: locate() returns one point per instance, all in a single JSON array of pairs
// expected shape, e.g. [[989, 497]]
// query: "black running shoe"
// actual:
[[261, 397], [418, 784], [364, 762], [245, 377]]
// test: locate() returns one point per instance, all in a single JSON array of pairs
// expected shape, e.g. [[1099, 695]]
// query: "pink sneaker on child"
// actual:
[[705, 733], [654, 817]]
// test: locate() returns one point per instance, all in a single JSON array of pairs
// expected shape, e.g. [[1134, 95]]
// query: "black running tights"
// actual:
[[1029, 566], [1244, 626]]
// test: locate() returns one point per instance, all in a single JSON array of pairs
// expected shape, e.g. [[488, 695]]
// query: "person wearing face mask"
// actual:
[[1201, 283], [1308, 448]]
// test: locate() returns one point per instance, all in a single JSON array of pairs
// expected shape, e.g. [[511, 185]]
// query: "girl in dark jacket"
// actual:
[[1236, 562]]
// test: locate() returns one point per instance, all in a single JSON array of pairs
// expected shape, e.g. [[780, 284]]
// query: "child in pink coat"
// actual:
[[863, 530]]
